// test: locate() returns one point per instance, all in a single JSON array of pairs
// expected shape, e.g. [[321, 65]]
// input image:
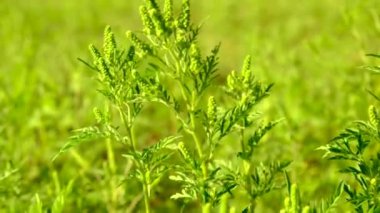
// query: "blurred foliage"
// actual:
[[314, 52]]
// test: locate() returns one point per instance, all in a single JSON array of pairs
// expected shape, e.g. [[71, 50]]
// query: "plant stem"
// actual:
[[242, 140], [224, 204], [127, 120], [193, 99], [80, 160], [131, 138], [252, 206], [195, 136], [112, 170], [110, 156], [206, 207], [146, 197]]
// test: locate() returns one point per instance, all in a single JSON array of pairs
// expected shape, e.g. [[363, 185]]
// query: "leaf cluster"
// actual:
[[358, 147]]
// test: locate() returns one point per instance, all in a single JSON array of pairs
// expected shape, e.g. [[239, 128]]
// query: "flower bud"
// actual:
[[182, 149], [246, 70], [195, 59], [152, 4], [211, 110], [180, 36], [100, 63], [98, 115], [231, 80], [184, 17], [374, 117], [147, 21], [109, 44], [168, 11], [158, 21], [145, 48], [94, 52], [294, 198]]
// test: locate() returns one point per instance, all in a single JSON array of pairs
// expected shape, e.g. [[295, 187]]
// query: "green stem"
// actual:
[[252, 206], [206, 207], [112, 169], [247, 168], [248, 184], [80, 160], [183, 93], [127, 120], [242, 140], [195, 137], [224, 204], [193, 99], [110, 156], [198, 145], [146, 197], [131, 138]]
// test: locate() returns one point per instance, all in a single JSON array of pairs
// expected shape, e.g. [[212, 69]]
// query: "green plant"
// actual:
[[163, 57], [294, 203], [57, 206], [9, 181], [358, 147]]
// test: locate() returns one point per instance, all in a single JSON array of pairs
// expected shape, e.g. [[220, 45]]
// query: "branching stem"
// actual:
[[128, 123]]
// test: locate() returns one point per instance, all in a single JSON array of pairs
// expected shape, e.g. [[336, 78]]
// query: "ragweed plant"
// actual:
[[294, 203], [358, 147], [164, 64]]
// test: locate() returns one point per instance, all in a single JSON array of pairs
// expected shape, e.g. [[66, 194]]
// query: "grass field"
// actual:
[[313, 51]]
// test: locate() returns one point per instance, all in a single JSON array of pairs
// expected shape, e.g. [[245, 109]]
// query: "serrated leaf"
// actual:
[[80, 136]]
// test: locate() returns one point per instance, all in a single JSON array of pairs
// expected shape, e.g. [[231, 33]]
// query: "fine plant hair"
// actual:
[[164, 64]]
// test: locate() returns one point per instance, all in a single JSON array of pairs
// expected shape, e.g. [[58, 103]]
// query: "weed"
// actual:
[[358, 147], [163, 57]]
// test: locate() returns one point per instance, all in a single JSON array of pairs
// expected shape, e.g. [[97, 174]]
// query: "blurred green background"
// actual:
[[314, 52]]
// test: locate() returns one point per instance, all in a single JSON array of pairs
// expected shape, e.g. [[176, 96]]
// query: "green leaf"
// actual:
[[80, 136], [36, 206]]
